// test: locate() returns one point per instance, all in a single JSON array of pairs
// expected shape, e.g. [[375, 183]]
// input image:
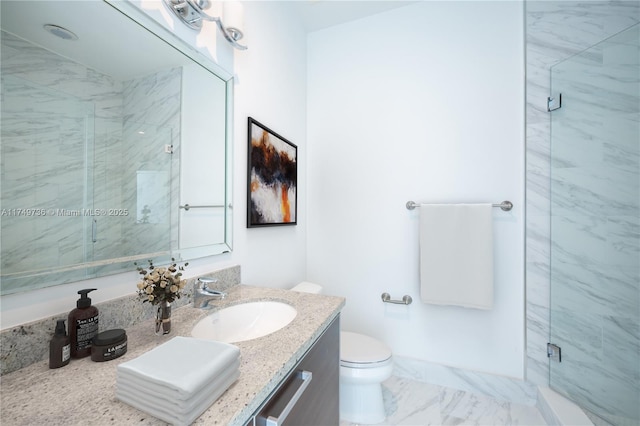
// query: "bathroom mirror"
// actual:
[[115, 144]]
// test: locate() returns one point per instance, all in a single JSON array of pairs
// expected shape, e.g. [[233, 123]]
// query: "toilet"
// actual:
[[365, 363]]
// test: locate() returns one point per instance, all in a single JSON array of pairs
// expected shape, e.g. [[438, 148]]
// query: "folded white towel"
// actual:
[[456, 255], [169, 393], [182, 417], [153, 395], [183, 365]]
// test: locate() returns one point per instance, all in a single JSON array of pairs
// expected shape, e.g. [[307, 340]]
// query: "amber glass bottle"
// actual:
[[59, 348]]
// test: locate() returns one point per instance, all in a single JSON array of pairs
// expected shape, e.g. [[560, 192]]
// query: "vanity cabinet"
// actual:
[[309, 395]]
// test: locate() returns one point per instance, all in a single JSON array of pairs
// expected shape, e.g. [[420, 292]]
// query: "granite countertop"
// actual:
[[83, 392]]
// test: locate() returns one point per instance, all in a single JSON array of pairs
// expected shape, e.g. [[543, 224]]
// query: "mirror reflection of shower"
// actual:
[[152, 201], [46, 148], [74, 98]]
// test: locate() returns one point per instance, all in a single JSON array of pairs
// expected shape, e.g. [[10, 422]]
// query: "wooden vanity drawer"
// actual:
[[309, 396]]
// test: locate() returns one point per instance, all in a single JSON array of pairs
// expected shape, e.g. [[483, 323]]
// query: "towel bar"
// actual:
[[406, 299], [505, 205]]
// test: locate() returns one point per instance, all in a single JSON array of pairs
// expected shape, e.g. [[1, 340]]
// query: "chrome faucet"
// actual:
[[203, 294]]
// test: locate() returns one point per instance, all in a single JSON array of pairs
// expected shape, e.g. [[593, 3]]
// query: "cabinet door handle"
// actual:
[[306, 377]]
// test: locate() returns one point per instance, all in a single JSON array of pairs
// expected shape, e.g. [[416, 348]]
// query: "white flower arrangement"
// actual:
[[160, 284]]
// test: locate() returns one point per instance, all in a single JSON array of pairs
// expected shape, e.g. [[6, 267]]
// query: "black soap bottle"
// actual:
[[83, 325], [59, 347]]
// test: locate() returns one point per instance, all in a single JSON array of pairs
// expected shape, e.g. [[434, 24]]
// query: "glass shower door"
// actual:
[[595, 228], [132, 193]]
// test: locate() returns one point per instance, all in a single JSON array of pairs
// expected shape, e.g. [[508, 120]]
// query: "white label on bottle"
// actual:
[[86, 329], [66, 352]]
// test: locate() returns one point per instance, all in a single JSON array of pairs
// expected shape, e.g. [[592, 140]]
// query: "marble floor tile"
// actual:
[[413, 403]]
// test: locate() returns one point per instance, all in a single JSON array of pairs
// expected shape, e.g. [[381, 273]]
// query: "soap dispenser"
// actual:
[[59, 348], [83, 325]]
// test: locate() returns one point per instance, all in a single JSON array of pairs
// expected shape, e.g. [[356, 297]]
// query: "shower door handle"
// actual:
[[94, 231]]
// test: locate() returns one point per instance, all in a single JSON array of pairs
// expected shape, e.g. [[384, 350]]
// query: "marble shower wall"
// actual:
[[595, 228], [60, 118], [555, 30], [54, 112], [151, 121]]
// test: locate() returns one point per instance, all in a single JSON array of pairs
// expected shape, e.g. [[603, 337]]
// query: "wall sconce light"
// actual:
[[192, 13]]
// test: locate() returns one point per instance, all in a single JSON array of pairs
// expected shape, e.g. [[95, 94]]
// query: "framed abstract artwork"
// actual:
[[272, 181]]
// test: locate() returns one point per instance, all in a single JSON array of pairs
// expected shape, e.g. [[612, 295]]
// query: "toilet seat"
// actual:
[[371, 365], [360, 351]]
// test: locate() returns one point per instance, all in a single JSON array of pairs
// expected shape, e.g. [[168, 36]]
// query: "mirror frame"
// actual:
[[126, 263]]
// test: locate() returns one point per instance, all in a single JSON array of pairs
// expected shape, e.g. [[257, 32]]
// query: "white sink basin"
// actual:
[[245, 321]]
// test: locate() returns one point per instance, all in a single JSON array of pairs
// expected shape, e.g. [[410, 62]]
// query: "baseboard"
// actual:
[[558, 410], [497, 387]]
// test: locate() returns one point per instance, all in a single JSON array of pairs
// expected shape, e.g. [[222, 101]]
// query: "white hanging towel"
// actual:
[[456, 255]]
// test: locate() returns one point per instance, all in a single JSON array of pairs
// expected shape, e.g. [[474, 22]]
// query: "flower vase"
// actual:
[[163, 318]]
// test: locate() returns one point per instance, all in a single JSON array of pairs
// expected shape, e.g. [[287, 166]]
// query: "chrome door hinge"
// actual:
[[168, 149], [554, 102], [554, 351]]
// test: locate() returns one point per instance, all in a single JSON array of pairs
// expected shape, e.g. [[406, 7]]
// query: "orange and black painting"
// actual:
[[272, 178]]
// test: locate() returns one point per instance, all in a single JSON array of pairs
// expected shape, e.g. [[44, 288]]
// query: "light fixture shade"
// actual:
[[233, 16]]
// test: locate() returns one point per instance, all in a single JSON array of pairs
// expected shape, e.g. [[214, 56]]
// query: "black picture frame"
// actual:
[[272, 178]]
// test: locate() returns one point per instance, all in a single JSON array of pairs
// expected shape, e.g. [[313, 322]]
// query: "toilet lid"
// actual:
[[359, 348]]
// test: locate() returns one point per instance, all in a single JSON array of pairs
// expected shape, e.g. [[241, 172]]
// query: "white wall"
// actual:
[[422, 103], [271, 88]]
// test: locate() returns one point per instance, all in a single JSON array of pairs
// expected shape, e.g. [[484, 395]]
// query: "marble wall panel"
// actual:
[[556, 30], [152, 104], [47, 142], [594, 213]]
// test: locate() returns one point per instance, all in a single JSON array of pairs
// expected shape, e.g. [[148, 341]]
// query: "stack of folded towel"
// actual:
[[180, 379]]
